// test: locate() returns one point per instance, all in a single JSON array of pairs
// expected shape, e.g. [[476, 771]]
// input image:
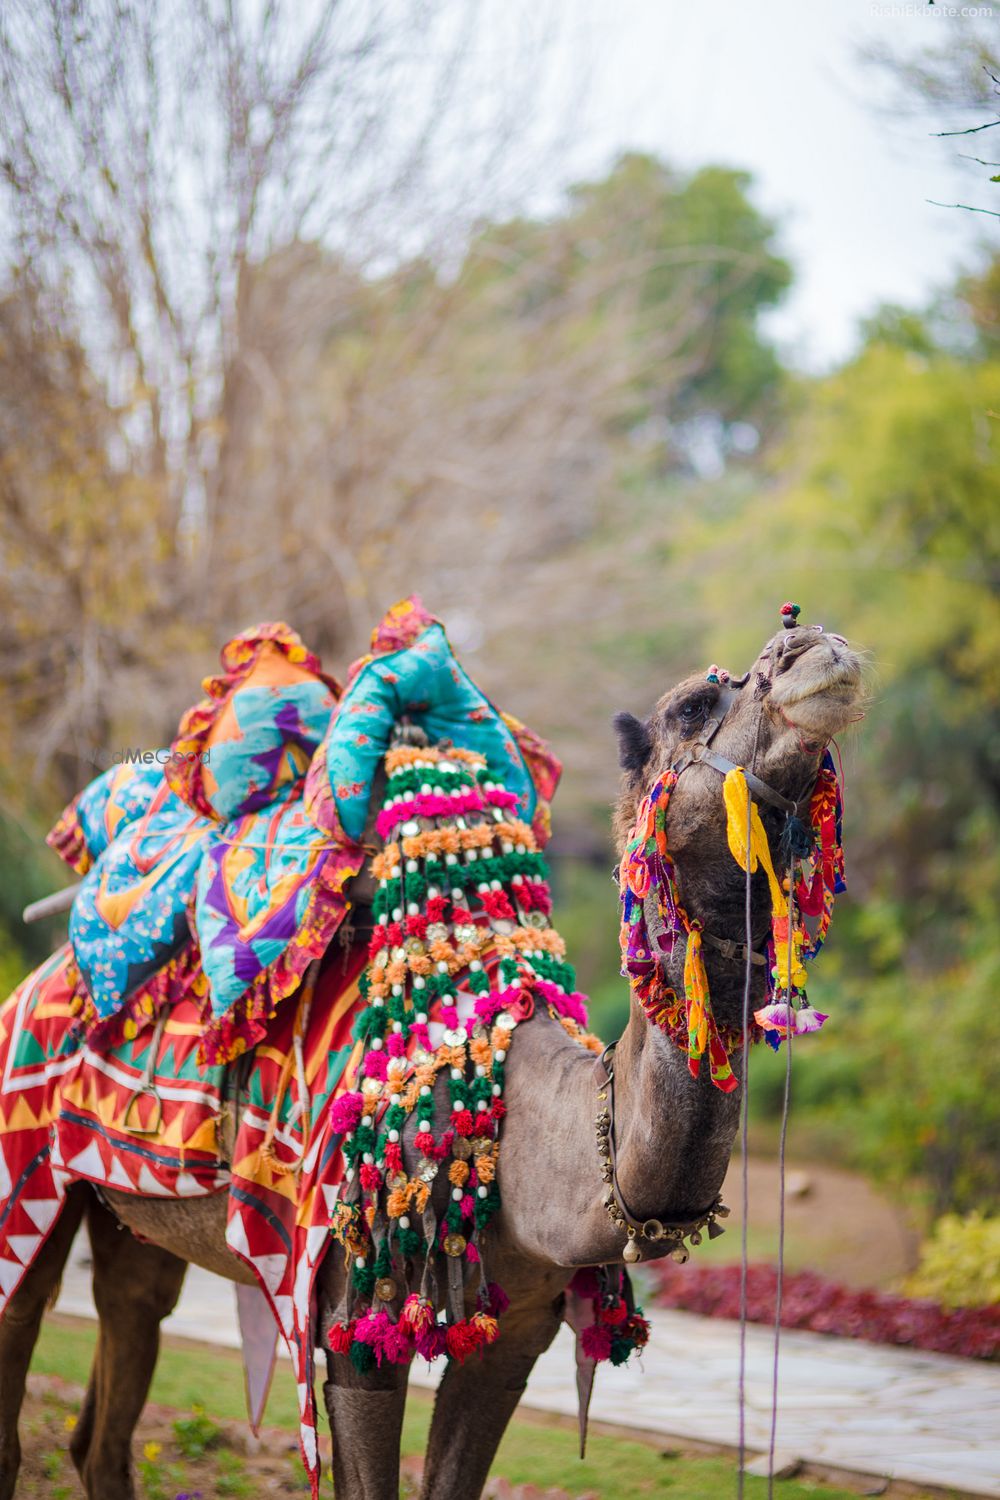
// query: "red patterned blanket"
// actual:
[[146, 1118]]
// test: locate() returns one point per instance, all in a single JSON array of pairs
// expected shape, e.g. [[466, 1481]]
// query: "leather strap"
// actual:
[[700, 753], [731, 949]]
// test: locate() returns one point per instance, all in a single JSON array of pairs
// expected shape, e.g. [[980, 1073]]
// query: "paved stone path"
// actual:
[[926, 1418]]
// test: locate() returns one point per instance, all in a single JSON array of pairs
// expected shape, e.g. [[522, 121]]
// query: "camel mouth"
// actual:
[[817, 685]]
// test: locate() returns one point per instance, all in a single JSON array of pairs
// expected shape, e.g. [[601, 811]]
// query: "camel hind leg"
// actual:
[[136, 1286], [19, 1330]]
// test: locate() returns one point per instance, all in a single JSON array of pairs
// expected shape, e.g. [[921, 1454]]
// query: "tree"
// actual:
[[283, 409]]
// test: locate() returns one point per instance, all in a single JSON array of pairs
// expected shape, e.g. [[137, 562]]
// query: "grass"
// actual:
[[206, 1385]]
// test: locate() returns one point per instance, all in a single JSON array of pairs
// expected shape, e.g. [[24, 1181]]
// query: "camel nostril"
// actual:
[[793, 646]]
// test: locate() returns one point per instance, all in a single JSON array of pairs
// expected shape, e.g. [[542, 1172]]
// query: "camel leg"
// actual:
[[136, 1285], [19, 1331], [476, 1400], [366, 1422]]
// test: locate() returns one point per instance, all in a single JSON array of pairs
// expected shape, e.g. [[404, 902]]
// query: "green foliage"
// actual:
[[195, 1434], [631, 250], [960, 1262]]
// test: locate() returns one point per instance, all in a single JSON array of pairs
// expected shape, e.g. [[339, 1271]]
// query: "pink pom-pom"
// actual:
[[386, 1339], [377, 1066], [431, 1343], [396, 1046], [345, 1112], [778, 1017]]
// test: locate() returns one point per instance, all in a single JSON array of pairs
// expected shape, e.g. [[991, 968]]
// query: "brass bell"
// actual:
[[631, 1253], [385, 1289], [454, 1245]]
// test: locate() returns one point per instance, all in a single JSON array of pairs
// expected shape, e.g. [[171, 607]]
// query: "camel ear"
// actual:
[[635, 743]]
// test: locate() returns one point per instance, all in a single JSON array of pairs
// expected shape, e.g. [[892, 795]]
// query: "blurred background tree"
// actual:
[[259, 360]]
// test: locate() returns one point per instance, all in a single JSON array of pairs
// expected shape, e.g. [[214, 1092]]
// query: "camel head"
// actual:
[[775, 721]]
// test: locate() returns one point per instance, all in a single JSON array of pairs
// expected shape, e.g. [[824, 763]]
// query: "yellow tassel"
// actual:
[[735, 792], [696, 993]]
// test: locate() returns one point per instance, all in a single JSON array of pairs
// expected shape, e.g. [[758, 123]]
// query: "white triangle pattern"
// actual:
[[24, 1246], [88, 1162], [148, 1184], [5, 1182], [10, 1275], [284, 1313], [308, 1435], [236, 1235], [42, 1212], [188, 1186], [271, 1269], [118, 1175]]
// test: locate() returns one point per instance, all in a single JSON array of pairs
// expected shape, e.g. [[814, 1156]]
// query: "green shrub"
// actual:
[[195, 1434], [960, 1262]]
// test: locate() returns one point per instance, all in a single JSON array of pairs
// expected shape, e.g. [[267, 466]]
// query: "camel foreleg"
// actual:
[[366, 1423], [136, 1286], [476, 1400], [19, 1331]]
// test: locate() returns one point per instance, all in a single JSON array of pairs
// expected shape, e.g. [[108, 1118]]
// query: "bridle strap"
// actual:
[[703, 755], [731, 949], [699, 753]]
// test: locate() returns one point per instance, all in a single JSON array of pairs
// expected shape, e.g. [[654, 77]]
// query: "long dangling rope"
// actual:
[[780, 1280], [745, 1170], [745, 1129]]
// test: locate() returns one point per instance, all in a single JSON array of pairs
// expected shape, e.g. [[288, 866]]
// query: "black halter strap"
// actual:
[[699, 753]]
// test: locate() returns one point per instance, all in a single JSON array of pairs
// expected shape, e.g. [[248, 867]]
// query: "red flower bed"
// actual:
[[809, 1301]]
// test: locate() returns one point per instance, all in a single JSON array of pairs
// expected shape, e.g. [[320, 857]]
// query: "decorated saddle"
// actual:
[[223, 862], [212, 919]]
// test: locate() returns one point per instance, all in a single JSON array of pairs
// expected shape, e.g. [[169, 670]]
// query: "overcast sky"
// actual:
[[777, 87]]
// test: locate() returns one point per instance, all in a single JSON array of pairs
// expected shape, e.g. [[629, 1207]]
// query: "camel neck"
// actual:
[[674, 1133]]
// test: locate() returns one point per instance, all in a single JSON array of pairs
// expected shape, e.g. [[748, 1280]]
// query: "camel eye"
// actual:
[[693, 709]]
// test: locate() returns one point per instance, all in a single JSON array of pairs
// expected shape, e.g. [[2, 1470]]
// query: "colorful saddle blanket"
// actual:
[[147, 1118], [224, 860]]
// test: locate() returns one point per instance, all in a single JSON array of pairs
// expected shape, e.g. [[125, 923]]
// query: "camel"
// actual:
[[673, 1133]]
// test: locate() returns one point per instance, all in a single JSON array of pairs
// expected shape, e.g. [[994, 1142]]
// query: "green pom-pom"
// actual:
[[362, 1358], [410, 1243], [363, 1279]]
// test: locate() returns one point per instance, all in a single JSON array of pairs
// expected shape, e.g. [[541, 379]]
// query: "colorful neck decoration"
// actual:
[[647, 874], [462, 953]]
